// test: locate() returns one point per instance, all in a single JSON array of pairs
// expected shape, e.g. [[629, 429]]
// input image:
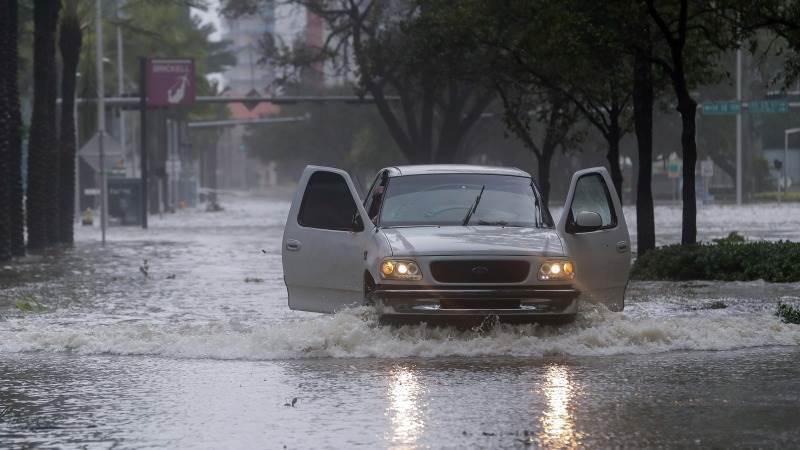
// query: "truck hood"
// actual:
[[481, 240]]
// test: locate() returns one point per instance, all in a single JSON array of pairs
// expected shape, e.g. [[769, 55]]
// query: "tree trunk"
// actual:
[[16, 211], [613, 138], [70, 45], [42, 133], [54, 157], [450, 137], [643, 122], [688, 109], [543, 173], [5, 148]]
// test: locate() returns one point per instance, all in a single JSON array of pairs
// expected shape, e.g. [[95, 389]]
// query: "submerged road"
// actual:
[[202, 352]]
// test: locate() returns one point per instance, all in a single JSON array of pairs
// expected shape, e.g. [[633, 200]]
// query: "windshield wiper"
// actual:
[[498, 223], [474, 206]]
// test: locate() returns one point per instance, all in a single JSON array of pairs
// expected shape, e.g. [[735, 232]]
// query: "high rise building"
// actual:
[[246, 34], [286, 25]]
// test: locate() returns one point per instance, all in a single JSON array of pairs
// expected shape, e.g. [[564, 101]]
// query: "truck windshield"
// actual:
[[450, 199]]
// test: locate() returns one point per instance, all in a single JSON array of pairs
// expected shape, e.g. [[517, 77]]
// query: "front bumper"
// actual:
[[475, 301]]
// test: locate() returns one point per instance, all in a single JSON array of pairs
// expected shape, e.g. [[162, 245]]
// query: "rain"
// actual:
[[155, 186]]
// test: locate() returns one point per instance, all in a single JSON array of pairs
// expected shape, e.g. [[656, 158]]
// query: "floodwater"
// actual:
[[202, 352]]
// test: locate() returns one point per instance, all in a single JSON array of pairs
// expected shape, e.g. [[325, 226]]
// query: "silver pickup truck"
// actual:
[[449, 241]]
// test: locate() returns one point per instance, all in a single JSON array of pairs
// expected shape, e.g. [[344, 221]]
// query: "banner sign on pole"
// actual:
[[170, 82]]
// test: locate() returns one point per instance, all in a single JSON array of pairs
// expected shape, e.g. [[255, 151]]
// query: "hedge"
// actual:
[[788, 313], [790, 196], [728, 259]]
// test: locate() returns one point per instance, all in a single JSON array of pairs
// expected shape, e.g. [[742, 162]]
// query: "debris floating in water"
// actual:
[[144, 269]]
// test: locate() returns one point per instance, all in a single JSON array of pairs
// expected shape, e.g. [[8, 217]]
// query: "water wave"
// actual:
[[356, 333]]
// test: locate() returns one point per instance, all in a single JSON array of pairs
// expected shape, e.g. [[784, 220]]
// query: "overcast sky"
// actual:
[[210, 15]]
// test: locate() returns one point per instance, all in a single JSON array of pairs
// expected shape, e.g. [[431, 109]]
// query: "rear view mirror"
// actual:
[[588, 221]]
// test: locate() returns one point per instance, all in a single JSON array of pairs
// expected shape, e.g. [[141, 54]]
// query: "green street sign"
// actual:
[[722, 108], [674, 169], [768, 106]]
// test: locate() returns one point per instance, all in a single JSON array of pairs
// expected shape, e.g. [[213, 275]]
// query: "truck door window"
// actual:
[[328, 204], [591, 194], [375, 196]]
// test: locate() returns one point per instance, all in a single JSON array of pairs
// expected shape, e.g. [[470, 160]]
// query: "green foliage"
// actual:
[[29, 304], [728, 259], [393, 49], [155, 29], [732, 238], [788, 313], [777, 196]]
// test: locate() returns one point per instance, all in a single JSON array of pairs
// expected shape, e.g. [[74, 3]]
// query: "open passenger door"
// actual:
[[324, 242], [596, 235]]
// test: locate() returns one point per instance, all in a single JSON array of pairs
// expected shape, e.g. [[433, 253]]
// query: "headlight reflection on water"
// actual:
[[405, 408], [557, 421]]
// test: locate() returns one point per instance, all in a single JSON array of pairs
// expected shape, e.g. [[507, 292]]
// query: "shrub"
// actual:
[[775, 196], [728, 259], [788, 313]]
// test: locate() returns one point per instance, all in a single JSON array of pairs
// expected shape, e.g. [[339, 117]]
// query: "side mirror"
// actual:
[[588, 221]]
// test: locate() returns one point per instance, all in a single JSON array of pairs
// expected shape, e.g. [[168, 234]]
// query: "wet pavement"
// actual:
[[202, 352]]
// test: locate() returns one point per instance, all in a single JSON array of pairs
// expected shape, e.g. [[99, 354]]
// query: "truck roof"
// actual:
[[429, 169]]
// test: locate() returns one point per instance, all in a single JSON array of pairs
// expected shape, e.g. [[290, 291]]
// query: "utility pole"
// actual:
[[101, 123], [143, 137], [739, 127], [121, 85]]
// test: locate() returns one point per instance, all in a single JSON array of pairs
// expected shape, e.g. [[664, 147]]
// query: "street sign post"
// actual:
[[252, 104], [163, 82], [722, 108], [113, 154]]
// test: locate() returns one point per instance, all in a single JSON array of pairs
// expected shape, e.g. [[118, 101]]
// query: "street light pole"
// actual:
[[101, 123], [121, 87]]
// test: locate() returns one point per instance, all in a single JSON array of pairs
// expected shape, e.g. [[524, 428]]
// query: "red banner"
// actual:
[[170, 81]]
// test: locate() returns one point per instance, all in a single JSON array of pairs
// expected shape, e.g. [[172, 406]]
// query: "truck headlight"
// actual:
[[400, 269], [556, 270]]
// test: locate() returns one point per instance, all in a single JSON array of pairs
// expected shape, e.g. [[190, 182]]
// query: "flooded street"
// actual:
[[180, 337]]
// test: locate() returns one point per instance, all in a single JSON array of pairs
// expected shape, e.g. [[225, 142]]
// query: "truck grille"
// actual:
[[493, 271], [500, 303]]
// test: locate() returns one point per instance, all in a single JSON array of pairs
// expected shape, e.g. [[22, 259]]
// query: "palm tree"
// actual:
[[69, 42], [41, 209], [15, 208]]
